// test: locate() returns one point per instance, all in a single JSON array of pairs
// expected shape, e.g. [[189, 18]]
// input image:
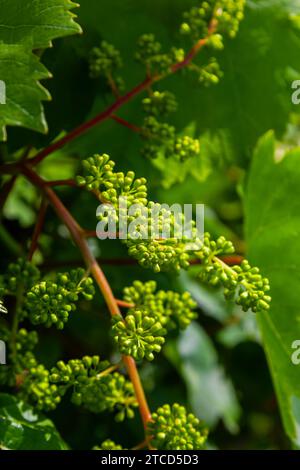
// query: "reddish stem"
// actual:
[[38, 228], [13, 168], [122, 303], [94, 268], [91, 123], [196, 48], [8, 186], [231, 260], [95, 234], [127, 124], [107, 113], [6, 189], [66, 182]]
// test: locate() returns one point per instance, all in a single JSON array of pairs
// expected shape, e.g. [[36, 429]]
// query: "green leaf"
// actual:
[[21, 203], [272, 229], [21, 72], [22, 429], [243, 328], [210, 392], [175, 171], [25, 27], [238, 326], [36, 22]]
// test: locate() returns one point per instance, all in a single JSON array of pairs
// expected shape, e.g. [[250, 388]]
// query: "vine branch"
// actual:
[[109, 112], [79, 238], [38, 228]]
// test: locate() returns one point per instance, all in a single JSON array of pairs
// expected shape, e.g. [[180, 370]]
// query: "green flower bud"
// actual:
[[138, 335], [172, 428]]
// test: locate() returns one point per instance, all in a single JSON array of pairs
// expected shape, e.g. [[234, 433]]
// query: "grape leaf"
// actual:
[[21, 71], [24, 28], [211, 394], [36, 22], [272, 230], [22, 429]]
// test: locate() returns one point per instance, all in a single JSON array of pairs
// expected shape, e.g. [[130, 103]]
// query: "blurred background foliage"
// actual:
[[217, 367]]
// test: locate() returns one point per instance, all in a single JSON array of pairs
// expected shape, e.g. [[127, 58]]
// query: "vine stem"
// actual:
[[231, 260], [109, 112], [196, 48], [127, 124], [67, 182], [15, 324], [38, 228], [122, 303], [8, 186], [79, 238], [6, 189], [15, 167]]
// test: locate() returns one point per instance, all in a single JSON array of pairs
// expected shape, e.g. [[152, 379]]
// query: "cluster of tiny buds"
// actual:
[[196, 20], [20, 354], [108, 444], [142, 332], [210, 73], [186, 147], [138, 335], [94, 386], [253, 288], [104, 60], [212, 20], [242, 283], [107, 391], [161, 140], [160, 103], [226, 14], [169, 308], [160, 137], [51, 302], [156, 62], [151, 253], [37, 389], [26, 340], [91, 381], [229, 14], [21, 274], [98, 169], [172, 428], [166, 255], [147, 48], [77, 370], [100, 176]]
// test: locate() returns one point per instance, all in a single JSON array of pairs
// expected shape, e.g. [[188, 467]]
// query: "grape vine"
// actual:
[[151, 313]]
